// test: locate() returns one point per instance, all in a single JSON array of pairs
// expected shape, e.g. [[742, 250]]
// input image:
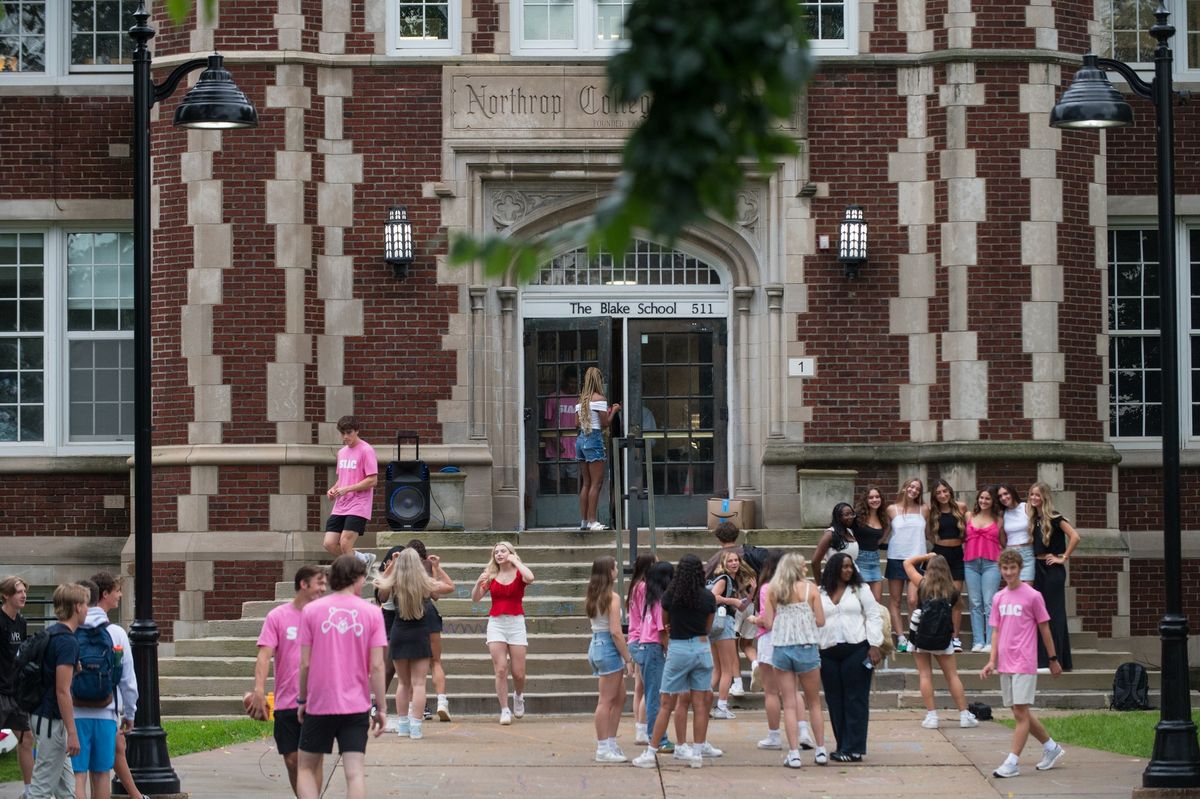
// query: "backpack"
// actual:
[[754, 557], [1131, 687], [95, 682], [932, 625], [29, 678]]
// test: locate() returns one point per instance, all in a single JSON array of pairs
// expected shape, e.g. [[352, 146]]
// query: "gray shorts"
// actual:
[[1018, 689]]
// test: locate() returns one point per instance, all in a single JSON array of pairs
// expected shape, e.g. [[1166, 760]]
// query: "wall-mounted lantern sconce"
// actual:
[[852, 240], [397, 240]]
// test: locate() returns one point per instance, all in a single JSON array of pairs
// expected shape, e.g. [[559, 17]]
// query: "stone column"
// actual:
[[478, 382], [743, 297], [511, 418], [774, 356]]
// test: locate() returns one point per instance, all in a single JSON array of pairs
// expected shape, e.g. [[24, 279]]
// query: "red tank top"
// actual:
[[506, 599]]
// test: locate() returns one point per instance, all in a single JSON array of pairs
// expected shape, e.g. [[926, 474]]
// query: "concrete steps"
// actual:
[[207, 676]]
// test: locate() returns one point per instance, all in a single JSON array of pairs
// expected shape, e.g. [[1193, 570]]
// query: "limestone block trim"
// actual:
[[1039, 249], [743, 298], [908, 170], [509, 424]]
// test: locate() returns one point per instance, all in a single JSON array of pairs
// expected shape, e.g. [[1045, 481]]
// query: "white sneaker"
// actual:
[[646, 759], [755, 677], [1007, 770], [956, 643], [986, 648], [1050, 757], [443, 710], [719, 712], [793, 759], [821, 758], [597, 527], [977, 647], [506, 717], [967, 719], [770, 742], [368, 559], [901, 643], [641, 736], [682, 751], [736, 688], [931, 720], [402, 728], [695, 761], [392, 725], [708, 750], [519, 705], [607, 755], [806, 739], [414, 730]]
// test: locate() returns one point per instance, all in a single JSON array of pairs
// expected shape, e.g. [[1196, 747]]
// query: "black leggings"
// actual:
[[847, 685]]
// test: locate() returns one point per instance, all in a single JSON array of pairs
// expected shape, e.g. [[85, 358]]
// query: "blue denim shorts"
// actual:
[[868, 566], [603, 656], [895, 570], [689, 667], [798, 658], [590, 447], [722, 628], [635, 650], [1027, 564]]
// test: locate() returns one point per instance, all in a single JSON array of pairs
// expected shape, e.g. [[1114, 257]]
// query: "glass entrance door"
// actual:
[[557, 354], [677, 401]]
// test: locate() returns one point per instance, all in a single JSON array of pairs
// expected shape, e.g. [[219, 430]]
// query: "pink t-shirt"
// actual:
[[1016, 614], [281, 632], [354, 464], [652, 625], [340, 630], [762, 603], [637, 605]]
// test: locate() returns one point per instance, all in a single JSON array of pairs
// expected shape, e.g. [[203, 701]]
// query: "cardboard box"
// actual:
[[738, 511]]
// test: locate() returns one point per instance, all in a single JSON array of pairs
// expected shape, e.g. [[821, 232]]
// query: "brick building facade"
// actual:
[[976, 345]]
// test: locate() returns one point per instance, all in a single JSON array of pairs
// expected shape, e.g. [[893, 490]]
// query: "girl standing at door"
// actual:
[[594, 416]]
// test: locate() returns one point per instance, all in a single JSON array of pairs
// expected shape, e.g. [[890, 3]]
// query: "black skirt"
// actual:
[[410, 639], [954, 557], [433, 619]]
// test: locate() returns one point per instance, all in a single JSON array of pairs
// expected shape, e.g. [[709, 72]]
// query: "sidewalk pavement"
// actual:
[[552, 757]]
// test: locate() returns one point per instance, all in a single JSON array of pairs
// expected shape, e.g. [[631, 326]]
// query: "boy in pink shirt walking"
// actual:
[[342, 642], [280, 639], [353, 494], [1018, 617]]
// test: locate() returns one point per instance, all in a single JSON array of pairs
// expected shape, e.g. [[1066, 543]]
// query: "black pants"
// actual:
[[847, 685], [1051, 581]]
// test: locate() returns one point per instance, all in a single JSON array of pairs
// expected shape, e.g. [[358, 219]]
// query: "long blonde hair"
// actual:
[[902, 494], [938, 583], [792, 569], [493, 568], [600, 587], [1041, 518], [935, 510], [409, 584], [742, 577], [593, 383]]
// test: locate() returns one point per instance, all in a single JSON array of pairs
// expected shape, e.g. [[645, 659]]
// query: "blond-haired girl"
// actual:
[[1054, 539], [505, 578], [595, 415]]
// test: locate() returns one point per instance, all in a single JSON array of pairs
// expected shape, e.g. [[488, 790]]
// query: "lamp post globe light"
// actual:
[[1092, 103], [214, 103]]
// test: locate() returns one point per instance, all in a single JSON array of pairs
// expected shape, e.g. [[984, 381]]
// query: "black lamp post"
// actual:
[[398, 241], [1092, 102], [213, 103]]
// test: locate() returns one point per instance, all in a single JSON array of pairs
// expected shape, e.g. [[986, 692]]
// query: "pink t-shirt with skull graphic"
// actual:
[[340, 631]]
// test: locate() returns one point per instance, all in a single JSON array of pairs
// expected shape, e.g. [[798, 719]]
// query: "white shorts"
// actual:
[[507, 630], [1018, 689], [765, 648]]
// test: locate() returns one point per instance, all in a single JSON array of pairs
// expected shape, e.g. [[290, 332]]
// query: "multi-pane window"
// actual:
[[646, 264], [610, 20], [66, 337], [1125, 31], [1134, 359], [826, 19], [423, 26], [1135, 356], [22, 337], [53, 38], [549, 20]]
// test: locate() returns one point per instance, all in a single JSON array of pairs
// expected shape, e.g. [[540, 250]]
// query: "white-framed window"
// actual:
[[596, 27], [1125, 32], [56, 38], [424, 27], [1134, 336], [66, 339]]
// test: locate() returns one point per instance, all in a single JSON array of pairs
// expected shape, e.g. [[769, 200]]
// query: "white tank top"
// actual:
[[1016, 526], [600, 624], [908, 536]]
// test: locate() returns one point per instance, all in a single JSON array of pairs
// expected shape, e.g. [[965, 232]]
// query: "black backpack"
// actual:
[[934, 628], [754, 557], [29, 678], [1131, 687]]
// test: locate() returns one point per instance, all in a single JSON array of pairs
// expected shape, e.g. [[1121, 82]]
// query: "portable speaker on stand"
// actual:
[[407, 489]]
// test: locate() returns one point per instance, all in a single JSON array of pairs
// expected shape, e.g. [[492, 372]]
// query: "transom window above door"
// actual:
[[646, 264]]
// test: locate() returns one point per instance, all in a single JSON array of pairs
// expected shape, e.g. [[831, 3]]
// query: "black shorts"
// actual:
[[318, 732], [287, 731], [389, 618], [954, 559], [12, 716], [338, 523], [433, 619]]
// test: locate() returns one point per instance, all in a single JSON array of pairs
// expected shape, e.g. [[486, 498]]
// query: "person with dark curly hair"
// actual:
[[850, 641], [690, 608]]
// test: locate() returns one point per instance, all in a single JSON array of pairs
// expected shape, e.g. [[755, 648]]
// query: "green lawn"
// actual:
[[1124, 733], [183, 737]]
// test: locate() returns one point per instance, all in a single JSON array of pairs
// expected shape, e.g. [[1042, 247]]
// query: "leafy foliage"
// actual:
[[179, 9], [721, 77]]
